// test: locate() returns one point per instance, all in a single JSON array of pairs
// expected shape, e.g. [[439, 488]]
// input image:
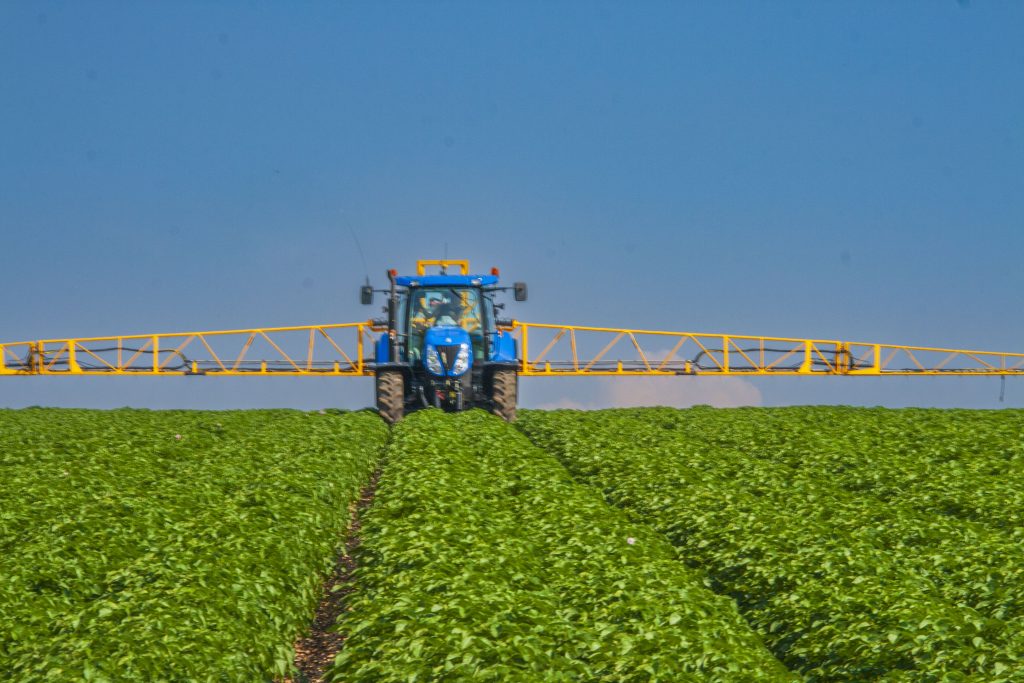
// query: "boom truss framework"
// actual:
[[552, 350], [546, 350], [335, 350]]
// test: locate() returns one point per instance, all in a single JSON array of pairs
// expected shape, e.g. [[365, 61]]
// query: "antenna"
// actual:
[[359, 247]]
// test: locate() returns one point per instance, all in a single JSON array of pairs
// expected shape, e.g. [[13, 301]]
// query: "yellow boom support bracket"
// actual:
[[443, 264]]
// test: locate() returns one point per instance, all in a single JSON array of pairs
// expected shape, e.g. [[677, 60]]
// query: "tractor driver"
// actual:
[[434, 306], [446, 313], [425, 312], [444, 307], [424, 315]]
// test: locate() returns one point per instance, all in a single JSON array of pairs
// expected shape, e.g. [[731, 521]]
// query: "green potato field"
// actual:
[[169, 546], [790, 544]]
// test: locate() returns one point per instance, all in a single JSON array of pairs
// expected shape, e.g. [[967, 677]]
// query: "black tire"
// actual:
[[503, 393], [391, 395]]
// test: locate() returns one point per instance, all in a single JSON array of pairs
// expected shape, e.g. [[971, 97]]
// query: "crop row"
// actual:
[[138, 545], [481, 559], [958, 463], [969, 563], [840, 587]]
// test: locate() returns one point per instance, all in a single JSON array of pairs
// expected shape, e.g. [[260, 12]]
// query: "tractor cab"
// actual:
[[431, 310], [445, 346]]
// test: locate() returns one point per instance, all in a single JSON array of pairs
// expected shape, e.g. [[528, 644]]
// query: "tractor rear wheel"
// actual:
[[391, 395], [504, 393]]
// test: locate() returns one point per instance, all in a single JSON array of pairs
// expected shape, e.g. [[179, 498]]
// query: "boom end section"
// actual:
[[567, 350], [321, 350]]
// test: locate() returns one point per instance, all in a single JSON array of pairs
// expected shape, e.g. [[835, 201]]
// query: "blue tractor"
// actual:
[[445, 345]]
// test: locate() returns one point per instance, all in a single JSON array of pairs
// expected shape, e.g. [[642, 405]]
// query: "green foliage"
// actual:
[[177, 545], [859, 545], [828, 528], [876, 469], [481, 559]]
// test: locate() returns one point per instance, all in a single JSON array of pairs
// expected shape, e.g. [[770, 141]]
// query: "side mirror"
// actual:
[[366, 295], [519, 291]]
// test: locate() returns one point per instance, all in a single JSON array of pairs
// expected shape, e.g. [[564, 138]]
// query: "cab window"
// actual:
[[436, 306]]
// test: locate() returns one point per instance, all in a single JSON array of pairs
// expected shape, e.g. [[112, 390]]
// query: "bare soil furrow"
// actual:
[[315, 652]]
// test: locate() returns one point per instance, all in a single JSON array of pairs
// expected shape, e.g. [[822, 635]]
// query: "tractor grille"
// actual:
[[448, 355]]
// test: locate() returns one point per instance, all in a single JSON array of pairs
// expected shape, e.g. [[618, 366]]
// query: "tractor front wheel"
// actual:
[[391, 395], [504, 393]]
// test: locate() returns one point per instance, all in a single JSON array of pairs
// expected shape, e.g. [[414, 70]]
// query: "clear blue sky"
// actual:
[[837, 170]]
